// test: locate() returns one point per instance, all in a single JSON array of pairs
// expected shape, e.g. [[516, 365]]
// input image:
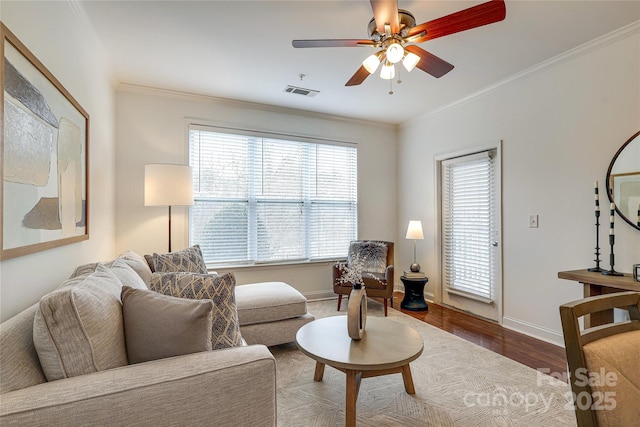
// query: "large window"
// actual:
[[262, 198]]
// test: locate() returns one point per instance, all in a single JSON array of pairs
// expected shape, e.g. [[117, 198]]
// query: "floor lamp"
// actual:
[[168, 185]]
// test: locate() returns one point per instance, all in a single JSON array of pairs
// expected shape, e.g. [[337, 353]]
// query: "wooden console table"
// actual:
[[599, 284]]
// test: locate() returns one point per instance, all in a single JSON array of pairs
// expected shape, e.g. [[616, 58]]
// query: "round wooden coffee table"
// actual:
[[387, 347]]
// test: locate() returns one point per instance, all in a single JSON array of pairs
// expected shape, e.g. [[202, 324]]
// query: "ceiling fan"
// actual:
[[394, 32]]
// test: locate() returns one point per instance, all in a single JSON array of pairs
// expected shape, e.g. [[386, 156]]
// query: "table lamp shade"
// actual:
[[168, 185], [414, 230]]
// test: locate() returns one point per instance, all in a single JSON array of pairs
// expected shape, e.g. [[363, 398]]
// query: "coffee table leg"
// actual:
[[353, 387], [408, 379], [317, 376]]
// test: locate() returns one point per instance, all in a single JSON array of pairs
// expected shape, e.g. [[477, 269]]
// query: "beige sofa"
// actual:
[[235, 386]]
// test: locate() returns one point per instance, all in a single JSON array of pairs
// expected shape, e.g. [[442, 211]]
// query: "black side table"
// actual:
[[414, 294]]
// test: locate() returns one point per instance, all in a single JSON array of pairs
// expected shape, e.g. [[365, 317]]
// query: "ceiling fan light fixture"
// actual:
[[388, 71], [395, 52], [410, 61], [372, 62]]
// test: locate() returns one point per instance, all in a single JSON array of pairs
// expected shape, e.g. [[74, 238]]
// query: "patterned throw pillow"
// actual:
[[187, 260], [219, 289], [371, 255], [158, 326]]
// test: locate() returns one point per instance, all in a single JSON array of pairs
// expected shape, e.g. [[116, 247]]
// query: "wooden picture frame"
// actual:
[[625, 189], [44, 196]]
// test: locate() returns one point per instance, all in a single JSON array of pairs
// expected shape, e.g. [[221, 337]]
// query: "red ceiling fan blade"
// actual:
[[476, 16], [358, 77], [429, 63], [332, 43], [386, 12]]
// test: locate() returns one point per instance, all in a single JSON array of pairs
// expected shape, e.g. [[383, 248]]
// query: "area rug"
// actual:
[[457, 383]]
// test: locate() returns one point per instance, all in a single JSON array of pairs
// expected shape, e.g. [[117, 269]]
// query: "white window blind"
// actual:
[[469, 223], [260, 199]]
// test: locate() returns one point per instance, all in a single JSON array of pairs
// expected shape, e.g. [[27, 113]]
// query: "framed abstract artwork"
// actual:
[[44, 196]]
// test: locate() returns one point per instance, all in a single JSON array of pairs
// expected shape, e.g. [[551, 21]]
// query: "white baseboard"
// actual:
[[534, 331]]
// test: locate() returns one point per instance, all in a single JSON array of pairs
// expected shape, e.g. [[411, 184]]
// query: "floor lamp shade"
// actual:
[[168, 185]]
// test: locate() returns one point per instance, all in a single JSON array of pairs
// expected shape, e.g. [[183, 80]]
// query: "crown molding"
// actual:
[[615, 36], [190, 96]]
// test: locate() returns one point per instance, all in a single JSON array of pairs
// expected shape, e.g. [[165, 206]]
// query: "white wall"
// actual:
[[560, 124], [56, 34], [152, 128]]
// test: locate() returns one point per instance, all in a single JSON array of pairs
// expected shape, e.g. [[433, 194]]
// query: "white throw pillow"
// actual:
[[127, 276]]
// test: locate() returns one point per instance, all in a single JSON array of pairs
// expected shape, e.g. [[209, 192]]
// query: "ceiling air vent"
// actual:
[[301, 91]]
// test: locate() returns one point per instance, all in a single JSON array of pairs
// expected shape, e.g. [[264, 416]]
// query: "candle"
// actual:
[[612, 218], [597, 197]]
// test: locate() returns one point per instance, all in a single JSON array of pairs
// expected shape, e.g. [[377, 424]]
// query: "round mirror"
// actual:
[[623, 181]]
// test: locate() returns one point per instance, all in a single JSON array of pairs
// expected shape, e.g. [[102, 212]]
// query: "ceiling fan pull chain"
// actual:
[[390, 86]]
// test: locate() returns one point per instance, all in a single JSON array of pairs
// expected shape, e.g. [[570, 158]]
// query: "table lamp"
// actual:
[[168, 185], [414, 231]]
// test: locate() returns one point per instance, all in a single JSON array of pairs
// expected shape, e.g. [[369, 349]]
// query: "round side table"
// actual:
[[414, 293]]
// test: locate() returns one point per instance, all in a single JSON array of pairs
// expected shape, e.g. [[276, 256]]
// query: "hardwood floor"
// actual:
[[529, 351]]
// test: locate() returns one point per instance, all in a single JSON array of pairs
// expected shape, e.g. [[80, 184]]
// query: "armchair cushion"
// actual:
[[78, 327], [157, 326], [219, 289]]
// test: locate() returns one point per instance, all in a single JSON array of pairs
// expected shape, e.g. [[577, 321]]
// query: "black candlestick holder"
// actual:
[[612, 271], [597, 268]]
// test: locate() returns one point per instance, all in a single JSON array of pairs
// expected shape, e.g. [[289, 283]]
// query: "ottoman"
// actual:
[[270, 313]]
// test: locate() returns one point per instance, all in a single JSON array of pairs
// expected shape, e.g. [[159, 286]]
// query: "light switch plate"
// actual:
[[533, 221]]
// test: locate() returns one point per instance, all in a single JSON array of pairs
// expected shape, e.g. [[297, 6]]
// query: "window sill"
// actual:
[[272, 265]]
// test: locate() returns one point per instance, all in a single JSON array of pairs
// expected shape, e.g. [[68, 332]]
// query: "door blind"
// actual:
[[469, 224]]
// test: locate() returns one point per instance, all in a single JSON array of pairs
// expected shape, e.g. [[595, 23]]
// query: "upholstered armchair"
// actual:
[[376, 258], [604, 368]]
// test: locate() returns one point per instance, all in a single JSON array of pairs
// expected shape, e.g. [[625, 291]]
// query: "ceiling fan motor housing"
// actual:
[[406, 20]]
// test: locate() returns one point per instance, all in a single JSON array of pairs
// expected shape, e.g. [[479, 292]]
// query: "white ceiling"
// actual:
[[242, 49]]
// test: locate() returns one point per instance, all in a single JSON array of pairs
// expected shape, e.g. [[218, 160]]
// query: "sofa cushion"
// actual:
[[82, 270], [268, 302], [186, 260], [127, 276], [138, 264], [19, 364], [219, 289], [78, 327], [158, 326], [132, 259]]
